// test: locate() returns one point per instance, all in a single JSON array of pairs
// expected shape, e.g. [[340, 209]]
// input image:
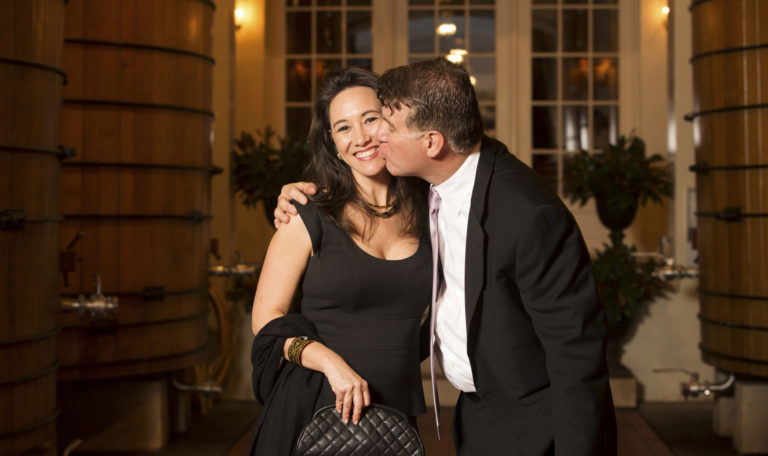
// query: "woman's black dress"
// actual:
[[368, 310]]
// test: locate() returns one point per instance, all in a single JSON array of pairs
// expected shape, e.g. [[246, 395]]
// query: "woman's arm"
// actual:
[[284, 264]]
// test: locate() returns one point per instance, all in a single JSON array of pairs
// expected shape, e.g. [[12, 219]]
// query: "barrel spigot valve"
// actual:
[[97, 305]]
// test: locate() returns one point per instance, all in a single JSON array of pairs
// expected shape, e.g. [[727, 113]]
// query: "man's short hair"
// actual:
[[441, 97]]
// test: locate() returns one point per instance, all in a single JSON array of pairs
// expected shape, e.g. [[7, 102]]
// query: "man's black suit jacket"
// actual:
[[535, 326]]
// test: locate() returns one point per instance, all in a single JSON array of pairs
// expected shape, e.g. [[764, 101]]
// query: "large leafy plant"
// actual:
[[621, 174], [261, 165], [620, 178], [623, 282]]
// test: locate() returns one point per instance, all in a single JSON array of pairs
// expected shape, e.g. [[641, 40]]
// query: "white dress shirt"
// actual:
[[451, 322]]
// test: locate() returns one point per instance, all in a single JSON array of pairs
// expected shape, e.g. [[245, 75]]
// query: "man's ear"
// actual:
[[435, 142]]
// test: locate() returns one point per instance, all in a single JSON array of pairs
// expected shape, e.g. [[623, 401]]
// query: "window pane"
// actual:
[[484, 71], [606, 126], [298, 76], [421, 2], [323, 68], [482, 31], [361, 63], [359, 2], [575, 78], [481, 2], [298, 2], [544, 31], [543, 125], [359, 32], [575, 32], [451, 2], [606, 30], [455, 40], [575, 128], [574, 82], [298, 43], [546, 166], [544, 78], [328, 32], [328, 2], [606, 78], [297, 122], [421, 32]]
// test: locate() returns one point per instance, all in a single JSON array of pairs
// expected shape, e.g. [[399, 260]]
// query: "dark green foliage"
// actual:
[[621, 174], [623, 282], [260, 169]]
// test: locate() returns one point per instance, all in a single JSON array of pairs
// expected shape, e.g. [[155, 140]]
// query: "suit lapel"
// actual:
[[474, 271]]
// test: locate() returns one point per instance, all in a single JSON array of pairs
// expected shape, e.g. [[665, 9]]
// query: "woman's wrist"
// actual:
[[296, 349], [318, 357], [315, 356]]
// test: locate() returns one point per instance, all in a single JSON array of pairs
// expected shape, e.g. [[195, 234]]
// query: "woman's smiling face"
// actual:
[[355, 115]]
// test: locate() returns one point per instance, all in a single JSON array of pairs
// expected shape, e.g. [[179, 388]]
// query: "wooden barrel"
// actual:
[[138, 110], [31, 78], [730, 70]]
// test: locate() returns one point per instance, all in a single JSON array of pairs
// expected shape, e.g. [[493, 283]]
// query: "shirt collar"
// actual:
[[458, 187]]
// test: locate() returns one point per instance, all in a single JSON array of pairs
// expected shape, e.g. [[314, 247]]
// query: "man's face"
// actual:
[[402, 149]]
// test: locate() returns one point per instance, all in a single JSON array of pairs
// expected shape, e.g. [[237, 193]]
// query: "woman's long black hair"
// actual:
[[336, 184]]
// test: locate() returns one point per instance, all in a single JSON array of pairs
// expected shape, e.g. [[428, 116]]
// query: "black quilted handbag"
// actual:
[[382, 431]]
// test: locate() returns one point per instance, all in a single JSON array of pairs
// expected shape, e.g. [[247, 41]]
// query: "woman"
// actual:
[[364, 268]]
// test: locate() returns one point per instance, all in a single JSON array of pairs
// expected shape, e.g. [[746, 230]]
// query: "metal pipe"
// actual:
[[676, 271], [694, 388], [72, 447], [239, 270], [208, 388], [668, 269]]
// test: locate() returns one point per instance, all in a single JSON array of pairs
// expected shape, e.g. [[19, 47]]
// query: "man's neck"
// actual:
[[446, 165]]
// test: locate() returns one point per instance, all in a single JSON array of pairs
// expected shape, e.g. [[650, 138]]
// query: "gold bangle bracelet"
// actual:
[[300, 350], [297, 347]]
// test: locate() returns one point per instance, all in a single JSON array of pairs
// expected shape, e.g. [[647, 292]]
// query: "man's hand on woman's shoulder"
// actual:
[[295, 191]]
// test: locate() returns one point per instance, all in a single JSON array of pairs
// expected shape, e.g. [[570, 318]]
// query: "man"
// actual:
[[519, 328]]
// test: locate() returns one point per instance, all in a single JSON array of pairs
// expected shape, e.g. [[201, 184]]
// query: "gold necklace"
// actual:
[[383, 211]]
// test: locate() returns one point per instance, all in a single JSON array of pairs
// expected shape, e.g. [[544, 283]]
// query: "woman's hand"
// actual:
[[296, 191], [350, 389]]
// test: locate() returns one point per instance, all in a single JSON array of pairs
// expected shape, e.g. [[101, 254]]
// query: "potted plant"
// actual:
[[261, 165], [625, 285], [619, 179]]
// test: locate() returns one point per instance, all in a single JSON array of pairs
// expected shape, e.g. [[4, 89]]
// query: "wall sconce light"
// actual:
[[239, 16], [665, 14]]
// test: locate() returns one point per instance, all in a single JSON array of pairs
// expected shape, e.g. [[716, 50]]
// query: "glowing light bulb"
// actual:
[[455, 58], [446, 29]]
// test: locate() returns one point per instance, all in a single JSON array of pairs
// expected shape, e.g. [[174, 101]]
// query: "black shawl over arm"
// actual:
[[288, 391]]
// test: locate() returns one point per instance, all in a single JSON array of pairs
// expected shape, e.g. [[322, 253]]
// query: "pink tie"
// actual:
[[434, 207]]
